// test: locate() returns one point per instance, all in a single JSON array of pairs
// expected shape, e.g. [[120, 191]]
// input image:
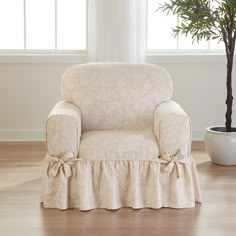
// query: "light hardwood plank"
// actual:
[[198, 146], [21, 213]]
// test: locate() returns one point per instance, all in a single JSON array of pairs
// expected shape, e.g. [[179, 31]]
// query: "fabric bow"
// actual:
[[61, 164], [174, 161]]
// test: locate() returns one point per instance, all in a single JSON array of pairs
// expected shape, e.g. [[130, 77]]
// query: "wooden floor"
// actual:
[[21, 213]]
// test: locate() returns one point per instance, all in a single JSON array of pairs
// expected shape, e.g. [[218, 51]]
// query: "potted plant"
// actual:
[[209, 20]]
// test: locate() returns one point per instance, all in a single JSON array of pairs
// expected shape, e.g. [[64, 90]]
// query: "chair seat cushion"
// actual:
[[118, 145]]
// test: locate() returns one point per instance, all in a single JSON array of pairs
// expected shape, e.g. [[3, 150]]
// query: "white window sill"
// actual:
[[160, 58], [43, 58], [187, 58]]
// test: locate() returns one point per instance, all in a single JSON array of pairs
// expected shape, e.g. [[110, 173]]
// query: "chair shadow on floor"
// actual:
[[209, 168], [213, 177], [124, 221]]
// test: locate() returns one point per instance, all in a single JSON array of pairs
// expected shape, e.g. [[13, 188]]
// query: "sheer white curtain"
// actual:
[[117, 30]]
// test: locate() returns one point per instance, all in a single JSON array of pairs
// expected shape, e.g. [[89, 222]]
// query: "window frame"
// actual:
[[177, 51], [26, 53], [171, 56]]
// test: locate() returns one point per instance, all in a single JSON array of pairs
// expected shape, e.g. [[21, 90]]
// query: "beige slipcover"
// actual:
[[117, 140]]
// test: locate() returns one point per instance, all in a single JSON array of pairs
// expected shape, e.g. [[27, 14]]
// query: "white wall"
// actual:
[[29, 90], [200, 88]]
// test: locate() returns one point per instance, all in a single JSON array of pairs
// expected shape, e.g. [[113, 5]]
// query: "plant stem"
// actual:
[[229, 100]]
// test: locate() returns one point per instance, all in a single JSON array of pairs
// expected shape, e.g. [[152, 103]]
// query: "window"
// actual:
[[43, 25], [160, 35]]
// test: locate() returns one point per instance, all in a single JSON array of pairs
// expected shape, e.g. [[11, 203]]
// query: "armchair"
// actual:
[[117, 140]]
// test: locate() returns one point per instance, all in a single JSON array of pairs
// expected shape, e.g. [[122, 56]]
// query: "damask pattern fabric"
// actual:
[[172, 128], [118, 141], [116, 96], [113, 184], [63, 129], [118, 145]]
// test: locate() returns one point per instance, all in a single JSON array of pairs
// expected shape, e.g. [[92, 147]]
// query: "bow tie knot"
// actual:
[[61, 164], [174, 158], [173, 162]]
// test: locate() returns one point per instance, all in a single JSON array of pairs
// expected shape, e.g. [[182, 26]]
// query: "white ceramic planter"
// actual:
[[221, 145]]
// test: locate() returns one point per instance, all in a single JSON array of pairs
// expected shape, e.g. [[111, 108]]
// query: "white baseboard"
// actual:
[[22, 135], [39, 135]]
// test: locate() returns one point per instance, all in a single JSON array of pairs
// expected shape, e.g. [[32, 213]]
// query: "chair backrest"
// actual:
[[116, 95]]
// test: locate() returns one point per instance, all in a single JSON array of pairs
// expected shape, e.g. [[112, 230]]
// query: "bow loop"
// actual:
[[173, 162], [61, 164]]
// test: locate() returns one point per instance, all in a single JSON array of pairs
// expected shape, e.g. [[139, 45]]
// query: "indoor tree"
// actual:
[[209, 19]]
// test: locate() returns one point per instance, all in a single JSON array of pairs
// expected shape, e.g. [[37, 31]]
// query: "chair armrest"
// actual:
[[172, 128], [63, 129]]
